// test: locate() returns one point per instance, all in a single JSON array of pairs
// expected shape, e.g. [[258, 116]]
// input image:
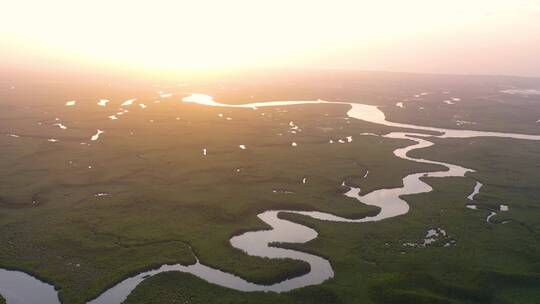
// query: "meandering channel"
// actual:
[[257, 243]]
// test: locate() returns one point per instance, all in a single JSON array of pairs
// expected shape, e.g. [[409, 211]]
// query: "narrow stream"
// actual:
[[256, 243]]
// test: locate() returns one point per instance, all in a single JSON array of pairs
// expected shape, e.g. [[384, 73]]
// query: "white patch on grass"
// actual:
[[96, 136], [488, 218], [282, 191], [200, 99], [522, 92], [476, 190], [128, 102], [61, 126], [432, 235], [464, 122]]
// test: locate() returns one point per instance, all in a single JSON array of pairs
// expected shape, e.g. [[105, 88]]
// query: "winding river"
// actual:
[[18, 287]]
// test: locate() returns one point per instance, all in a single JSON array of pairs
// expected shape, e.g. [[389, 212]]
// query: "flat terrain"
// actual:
[[85, 214]]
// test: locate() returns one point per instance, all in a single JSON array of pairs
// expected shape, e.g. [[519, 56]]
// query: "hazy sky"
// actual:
[[450, 36]]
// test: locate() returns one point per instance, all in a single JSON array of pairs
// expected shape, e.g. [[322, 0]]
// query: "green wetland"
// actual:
[[172, 182]]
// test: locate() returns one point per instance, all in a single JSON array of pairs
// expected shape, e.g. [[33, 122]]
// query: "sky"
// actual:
[[499, 37]]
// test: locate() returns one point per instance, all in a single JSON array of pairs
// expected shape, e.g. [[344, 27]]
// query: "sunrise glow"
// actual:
[[416, 36]]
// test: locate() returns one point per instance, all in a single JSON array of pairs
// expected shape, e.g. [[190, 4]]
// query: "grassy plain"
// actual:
[[165, 196], [167, 201], [489, 263]]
